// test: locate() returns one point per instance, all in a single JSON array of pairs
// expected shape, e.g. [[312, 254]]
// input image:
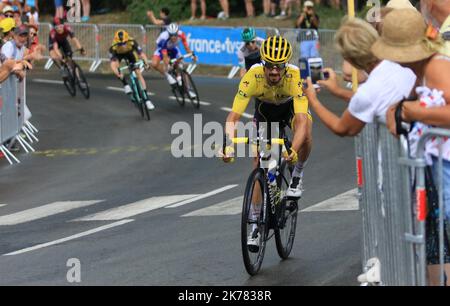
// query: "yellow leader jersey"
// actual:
[[254, 84]]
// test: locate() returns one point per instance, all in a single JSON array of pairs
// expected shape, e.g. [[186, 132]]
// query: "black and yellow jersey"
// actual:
[[129, 50], [254, 84]]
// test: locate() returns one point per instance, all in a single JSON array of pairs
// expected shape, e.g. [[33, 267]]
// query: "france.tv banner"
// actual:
[[216, 46]]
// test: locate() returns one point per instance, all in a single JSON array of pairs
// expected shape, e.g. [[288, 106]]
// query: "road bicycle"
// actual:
[[185, 87], [266, 191], [74, 77], [138, 95]]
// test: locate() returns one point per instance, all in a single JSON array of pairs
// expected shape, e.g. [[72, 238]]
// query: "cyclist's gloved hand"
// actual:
[[291, 157], [83, 51], [228, 155]]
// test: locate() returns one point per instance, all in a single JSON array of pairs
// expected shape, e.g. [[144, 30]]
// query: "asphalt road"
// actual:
[[101, 150]]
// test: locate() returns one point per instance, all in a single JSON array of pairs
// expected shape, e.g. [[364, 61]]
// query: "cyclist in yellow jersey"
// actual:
[[277, 89], [126, 48]]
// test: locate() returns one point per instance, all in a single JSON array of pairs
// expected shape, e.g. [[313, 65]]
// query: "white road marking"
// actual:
[[203, 196], [245, 115], [201, 102], [44, 81], [1, 205], [227, 208], [43, 211], [121, 89], [344, 202], [137, 208], [59, 241]]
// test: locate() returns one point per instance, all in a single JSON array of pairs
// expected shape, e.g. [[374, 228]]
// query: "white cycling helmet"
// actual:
[[173, 29]]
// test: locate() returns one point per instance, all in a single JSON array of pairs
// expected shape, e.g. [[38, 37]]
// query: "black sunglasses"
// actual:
[[9, 15], [250, 42], [276, 66]]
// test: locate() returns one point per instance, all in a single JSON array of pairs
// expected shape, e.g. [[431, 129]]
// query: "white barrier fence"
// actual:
[[14, 119], [97, 39]]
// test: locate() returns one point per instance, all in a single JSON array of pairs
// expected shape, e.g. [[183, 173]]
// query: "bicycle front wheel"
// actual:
[[69, 81], [286, 214], [190, 89], [81, 81], [145, 113], [254, 222]]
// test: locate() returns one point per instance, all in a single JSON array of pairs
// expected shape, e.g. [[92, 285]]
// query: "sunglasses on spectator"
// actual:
[[33, 33], [271, 66], [9, 15]]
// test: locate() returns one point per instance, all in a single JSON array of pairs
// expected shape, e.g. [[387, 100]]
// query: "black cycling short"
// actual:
[[252, 60], [65, 47], [130, 57], [268, 112]]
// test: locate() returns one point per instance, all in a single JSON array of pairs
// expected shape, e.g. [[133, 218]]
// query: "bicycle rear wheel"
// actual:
[[286, 214], [69, 81], [255, 193], [81, 81], [190, 90]]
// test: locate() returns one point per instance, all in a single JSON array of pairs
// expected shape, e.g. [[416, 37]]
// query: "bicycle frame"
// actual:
[[265, 162]]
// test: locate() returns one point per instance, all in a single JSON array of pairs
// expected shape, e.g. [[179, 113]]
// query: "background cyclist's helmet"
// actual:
[[58, 21], [248, 35], [276, 50], [121, 37], [173, 29]]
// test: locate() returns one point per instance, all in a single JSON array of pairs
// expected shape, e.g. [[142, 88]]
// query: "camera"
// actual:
[[313, 67]]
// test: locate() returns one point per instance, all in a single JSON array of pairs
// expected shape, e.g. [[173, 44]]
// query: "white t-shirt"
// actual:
[[388, 83], [11, 51]]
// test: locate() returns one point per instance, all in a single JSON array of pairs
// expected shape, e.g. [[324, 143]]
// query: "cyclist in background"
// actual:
[[278, 89], [59, 45], [248, 53], [126, 48], [168, 48]]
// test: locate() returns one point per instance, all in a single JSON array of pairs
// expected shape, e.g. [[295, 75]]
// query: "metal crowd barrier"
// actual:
[[97, 39], [393, 217], [14, 118]]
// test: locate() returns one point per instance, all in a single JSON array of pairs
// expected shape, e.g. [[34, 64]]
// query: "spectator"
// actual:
[[15, 49], [35, 49], [8, 67], [59, 9], [286, 8], [31, 10], [437, 12], [308, 19], [418, 50], [387, 83], [194, 9], [18, 18], [7, 25], [8, 12], [250, 9], [266, 7], [86, 10], [225, 13], [164, 18], [273, 7]]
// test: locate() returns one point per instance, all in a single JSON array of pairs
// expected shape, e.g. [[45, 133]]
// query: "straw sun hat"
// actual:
[[404, 38]]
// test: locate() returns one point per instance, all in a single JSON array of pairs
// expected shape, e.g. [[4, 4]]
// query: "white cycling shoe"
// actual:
[[127, 89], [149, 105], [192, 94], [253, 241], [295, 188]]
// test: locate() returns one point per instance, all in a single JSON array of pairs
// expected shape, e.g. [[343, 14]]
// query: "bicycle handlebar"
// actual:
[[188, 55], [247, 140], [138, 65]]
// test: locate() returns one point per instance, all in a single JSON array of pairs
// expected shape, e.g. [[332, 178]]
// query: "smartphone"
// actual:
[[313, 67]]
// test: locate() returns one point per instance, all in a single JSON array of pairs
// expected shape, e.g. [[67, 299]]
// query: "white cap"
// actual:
[[308, 4], [7, 9], [400, 4]]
